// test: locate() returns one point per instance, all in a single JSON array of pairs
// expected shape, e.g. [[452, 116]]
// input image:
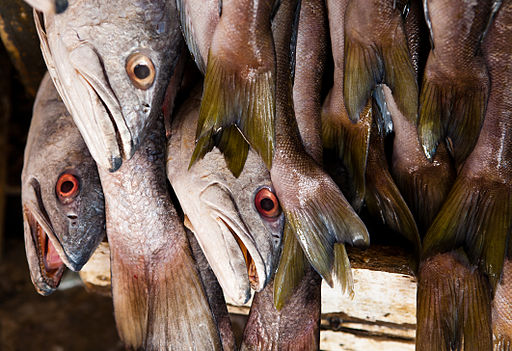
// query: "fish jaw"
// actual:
[[43, 250]]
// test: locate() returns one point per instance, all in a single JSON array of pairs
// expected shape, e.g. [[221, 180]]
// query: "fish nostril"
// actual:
[[72, 217]]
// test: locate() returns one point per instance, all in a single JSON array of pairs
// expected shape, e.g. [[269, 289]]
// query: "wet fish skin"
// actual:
[[198, 21], [239, 87], [157, 291], [501, 314], [218, 205], [57, 6], [94, 52], [71, 220], [455, 83]]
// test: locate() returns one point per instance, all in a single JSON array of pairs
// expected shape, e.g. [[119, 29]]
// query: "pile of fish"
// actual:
[[276, 123]]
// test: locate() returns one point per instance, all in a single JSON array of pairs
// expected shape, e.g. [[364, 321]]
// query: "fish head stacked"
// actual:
[[111, 65], [237, 221], [63, 205]]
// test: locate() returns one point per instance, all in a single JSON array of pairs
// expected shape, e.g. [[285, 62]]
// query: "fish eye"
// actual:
[[141, 70], [266, 203], [67, 187]]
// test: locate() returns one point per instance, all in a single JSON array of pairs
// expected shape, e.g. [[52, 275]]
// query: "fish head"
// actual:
[[238, 222], [112, 65], [62, 200]]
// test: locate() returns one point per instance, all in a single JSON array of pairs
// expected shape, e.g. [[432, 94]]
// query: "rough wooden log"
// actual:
[[381, 316]]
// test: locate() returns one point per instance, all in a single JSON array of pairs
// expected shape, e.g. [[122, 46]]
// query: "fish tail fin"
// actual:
[[363, 71], [343, 271], [452, 110], [350, 143], [147, 301], [204, 144], [453, 305], [324, 219], [291, 270], [430, 130], [384, 201], [384, 60], [231, 100], [477, 215], [235, 149]]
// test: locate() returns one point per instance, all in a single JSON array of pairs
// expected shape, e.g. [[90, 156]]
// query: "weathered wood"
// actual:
[[19, 37], [381, 316]]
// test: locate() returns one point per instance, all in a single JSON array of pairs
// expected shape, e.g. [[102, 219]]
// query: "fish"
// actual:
[[501, 314], [111, 65], [476, 217], [315, 209], [455, 82], [376, 52], [238, 103], [157, 290], [49, 6], [62, 206], [349, 141], [237, 221], [198, 19]]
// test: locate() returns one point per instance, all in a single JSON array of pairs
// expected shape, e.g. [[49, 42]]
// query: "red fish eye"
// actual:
[[266, 203], [67, 186]]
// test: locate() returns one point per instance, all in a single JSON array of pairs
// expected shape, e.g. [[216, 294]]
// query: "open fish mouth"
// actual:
[[51, 265], [252, 272]]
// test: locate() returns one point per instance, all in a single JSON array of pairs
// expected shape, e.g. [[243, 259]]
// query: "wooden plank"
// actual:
[[381, 316]]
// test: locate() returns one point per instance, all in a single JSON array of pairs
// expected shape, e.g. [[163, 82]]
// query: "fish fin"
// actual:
[[350, 142], [291, 269], [234, 148], [320, 221], [343, 271], [188, 33], [429, 23], [229, 99], [144, 298], [477, 215], [501, 312], [363, 70], [453, 305], [203, 145], [384, 201], [389, 62], [451, 110]]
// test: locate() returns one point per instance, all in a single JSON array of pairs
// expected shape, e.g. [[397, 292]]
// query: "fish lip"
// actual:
[[125, 145], [241, 233]]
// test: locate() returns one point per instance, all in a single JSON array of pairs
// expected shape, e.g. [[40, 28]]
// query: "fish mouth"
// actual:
[[50, 266], [255, 267], [252, 272]]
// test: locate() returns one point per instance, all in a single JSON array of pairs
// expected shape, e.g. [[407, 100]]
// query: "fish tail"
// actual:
[[363, 71], [343, 271], [430, 129], [453, 305], [451, 110], [501, 312], [477, 215], [291, 269], [350, 142], [235, 149], [384, 201], [324, 219], [231, 100], [176, 301]]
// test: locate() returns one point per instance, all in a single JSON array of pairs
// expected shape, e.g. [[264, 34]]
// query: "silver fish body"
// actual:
[[62, 201], [111, 63], [239, 235]]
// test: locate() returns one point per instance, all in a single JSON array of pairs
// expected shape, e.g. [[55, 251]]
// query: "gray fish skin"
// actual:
[[198, 21], [92, 51], [218, 205], [156, 288], [73, 225]]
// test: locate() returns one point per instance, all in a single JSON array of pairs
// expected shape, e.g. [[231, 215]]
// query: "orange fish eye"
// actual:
[[141, 70], [67, 186], [266, 203]]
